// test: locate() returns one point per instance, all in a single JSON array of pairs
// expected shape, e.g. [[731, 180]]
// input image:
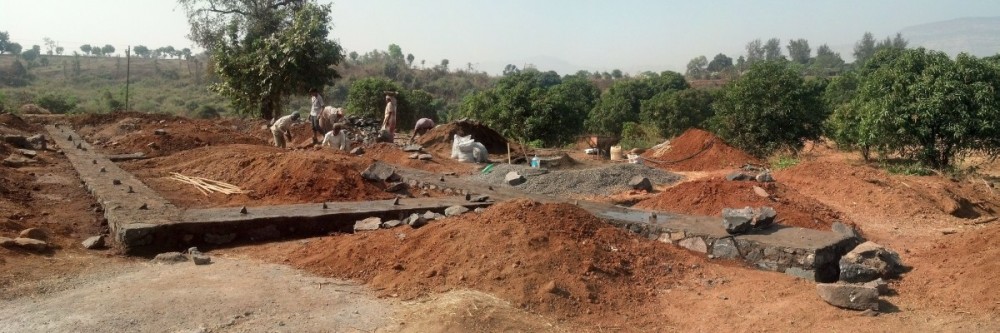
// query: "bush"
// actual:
[[636, 135], [209, 111], [57, 103], [769, 108], [673, 112]]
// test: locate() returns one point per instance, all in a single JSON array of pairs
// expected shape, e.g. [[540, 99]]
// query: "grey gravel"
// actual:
[[604, 180]]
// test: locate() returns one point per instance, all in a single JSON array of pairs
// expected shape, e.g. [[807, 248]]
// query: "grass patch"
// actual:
[[905, 167], [783, 162]]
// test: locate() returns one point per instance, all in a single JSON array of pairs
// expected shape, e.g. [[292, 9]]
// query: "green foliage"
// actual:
[[209, 111], [672, 112], [29, 55], [4, 41], [622, 102], [367, 98], [636, 135], [3, 100], [696, 68], [57, 103], [769, 108], [720, 63], [142, 51], [264, 53], [905, 167], [924, 106], [799, 51], [783, 162], [16, 75], [530, 105]]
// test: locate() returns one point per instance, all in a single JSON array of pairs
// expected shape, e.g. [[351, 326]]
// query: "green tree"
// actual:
[[673, 112], [799, 51], [616, 74], [142, 51], [696, 67], [864, 49], [409, 59], [444, 65], [4, 42], [30, 55], [720, 63], [17, 75], [768, 108], [772, 50], [14, 48], [396, 53], [826, 61], [354, 56], [264, 51], [927, 107], [59, 50], [50, 45], [85, 48], [367, 98], [755, 51], [620, 104], [108, 49]]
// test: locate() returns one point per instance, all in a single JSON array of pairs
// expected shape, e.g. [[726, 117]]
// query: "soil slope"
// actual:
[[697, 150]]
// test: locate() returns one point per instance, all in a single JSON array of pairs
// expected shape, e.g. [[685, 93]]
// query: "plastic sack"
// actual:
[[456, 142]]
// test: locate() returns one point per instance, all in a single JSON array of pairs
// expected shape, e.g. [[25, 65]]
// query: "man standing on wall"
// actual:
[[389, 123], [314, 111]]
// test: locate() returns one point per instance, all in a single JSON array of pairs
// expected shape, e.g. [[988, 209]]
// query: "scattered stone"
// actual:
[[357, 151], [416, 221], [201, 259], [36, 142], [480, 198], [412, 148], [243, 210], [95, 242], [160, 131], [725, 248], [849, 296], [880, 285], [694, 244], [170, 258], [429, 215], [869, 313], [18, 141], [413, 183], [761, 192], [455, 210], [193, 251], [395, 201], [738, 176], [34, 233], [870, 261], [16, 161], [425, 157], [640, 183], [737, 221], [764, 217], [116, 182], [844, 229], [369, 224], [6, 242], [414, 156], [28, 153], [764, 177], [513, 178], [395, 187], [391, 224], [948, 231], [380, 172], [479, 210], [550, 288], [31, 244], [103, 169]]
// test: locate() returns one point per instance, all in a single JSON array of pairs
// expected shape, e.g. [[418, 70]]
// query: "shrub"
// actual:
[[56, 103]]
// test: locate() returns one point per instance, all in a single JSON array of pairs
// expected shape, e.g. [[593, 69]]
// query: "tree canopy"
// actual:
[[265, 50]]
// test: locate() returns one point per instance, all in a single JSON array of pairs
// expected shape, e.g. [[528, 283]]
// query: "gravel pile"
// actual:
[[597, 181]]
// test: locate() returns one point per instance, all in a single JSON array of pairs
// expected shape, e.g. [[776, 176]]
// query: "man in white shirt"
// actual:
[[282, 128], [389, 123], [314, 111], [336, 138]]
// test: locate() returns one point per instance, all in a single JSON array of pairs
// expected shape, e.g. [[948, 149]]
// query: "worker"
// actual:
[[314, 111], [329, 116], [389, 123], [337, 138], [282, 128], [423, 125]]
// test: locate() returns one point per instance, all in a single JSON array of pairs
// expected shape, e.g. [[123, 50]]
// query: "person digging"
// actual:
[[282, 129], [423, 125]]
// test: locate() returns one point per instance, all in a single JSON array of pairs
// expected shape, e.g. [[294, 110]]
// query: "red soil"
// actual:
[[548, 258], [439, 139], [131, 132], [273, 175], [698, 150], [392, 154], [710, 196]]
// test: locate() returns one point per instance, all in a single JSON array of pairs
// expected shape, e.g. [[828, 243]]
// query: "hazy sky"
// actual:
[[632, 35]]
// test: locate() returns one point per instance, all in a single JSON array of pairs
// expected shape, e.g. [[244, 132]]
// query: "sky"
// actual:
[[564, 35]]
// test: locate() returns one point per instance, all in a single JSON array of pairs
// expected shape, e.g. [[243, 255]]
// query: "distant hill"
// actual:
[[979, 36]]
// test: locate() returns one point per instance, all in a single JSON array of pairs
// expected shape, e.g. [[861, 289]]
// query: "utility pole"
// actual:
[[128, 68]]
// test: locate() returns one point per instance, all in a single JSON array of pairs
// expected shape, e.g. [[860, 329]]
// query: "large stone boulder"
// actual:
[[737, 221], [170, 258], [870, 261], [640, 183], [738, 176], [849, 296], [31, 244], [380, 172], [412, 148], [764, 217], [34, 233], [455, 210], [513, 178], [764, 177], [95, 242], [369, 224], [416, 220]]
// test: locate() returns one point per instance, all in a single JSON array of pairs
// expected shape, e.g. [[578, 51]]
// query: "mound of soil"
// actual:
[[93, 119], [698, 150], [951, 272], [868, 192], [439, 138], [710, 196], [124, 133], [10, 121], [273, 175], [392, 154], [550, 258], [34, 109]]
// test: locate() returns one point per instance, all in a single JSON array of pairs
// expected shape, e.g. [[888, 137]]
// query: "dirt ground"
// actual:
[[518, 266]]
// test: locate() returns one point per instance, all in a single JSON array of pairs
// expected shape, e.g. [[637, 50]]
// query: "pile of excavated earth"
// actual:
[[922, 243]]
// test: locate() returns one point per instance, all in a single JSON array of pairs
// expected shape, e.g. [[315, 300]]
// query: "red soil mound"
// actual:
[[392, 154], [698, 150], [439, 139], [132, 132], [9, 121], [273, 175], [550, 258], [710, 196], [868, 192], [952, 272]]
